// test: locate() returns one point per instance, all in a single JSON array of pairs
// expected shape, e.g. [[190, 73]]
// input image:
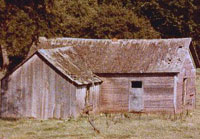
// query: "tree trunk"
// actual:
[[5, 57]]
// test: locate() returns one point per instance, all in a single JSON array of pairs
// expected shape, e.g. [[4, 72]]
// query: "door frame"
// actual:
[[141, 96]]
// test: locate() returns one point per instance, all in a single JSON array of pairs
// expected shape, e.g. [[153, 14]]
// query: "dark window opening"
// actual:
[[136, 84]]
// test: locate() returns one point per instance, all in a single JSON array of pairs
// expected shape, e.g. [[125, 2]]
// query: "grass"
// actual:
[[115, 126], [145, 126]]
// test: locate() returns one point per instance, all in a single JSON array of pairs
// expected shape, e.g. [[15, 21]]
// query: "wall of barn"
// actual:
[[186, 95], [36, 90], [93, 98], [158, 92]]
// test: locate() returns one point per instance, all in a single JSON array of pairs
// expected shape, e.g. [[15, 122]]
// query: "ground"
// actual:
[[133, 126]]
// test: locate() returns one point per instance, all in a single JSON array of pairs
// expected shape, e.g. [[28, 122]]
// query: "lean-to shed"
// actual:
[[120, 75]]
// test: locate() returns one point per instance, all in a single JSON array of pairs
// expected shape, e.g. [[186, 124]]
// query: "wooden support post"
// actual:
[[175, 94]]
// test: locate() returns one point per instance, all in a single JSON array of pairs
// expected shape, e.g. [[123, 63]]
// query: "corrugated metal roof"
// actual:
[[121, 56]]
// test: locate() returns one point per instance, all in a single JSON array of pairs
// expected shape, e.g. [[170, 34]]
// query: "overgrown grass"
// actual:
[[115, 126], [146, 126]]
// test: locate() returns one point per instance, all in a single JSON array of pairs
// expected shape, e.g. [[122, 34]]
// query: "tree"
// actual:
[[174, 18], [89, 19], [22, 22], [118, 22]]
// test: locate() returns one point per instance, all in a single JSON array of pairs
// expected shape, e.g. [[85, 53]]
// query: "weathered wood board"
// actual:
[[157, 93], [36, 90], [186, 90]]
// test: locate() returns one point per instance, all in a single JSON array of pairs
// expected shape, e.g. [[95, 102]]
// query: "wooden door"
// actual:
[[136, 91]]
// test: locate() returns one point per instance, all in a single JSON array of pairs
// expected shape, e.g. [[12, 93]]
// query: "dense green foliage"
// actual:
[[21, 25], [173, 18], [23, 21]]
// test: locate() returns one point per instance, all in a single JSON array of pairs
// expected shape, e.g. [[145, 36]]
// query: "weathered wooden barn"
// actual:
[[47, 85], [113, 75]]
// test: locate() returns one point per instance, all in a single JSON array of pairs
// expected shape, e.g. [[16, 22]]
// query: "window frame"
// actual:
[[136, 84]]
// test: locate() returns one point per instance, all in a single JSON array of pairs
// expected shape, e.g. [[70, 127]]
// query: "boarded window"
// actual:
[[136, 84]]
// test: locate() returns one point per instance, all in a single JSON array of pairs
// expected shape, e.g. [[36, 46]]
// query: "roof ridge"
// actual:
[[69, 38]]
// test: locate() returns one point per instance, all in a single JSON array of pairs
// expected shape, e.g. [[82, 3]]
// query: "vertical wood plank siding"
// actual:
[[158, 93], [93, 98], [189, 73], [36, 90], [95, 90], [80, 97]]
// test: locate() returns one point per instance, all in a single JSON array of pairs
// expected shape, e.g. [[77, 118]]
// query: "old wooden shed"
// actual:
[[48, 85], [118, 75]]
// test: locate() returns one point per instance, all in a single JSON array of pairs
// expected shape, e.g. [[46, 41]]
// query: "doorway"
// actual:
[[136, 91]]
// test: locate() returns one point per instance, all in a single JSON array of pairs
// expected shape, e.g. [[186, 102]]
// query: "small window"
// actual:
[[136, 84]]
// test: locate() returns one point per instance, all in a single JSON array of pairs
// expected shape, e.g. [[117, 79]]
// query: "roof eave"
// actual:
[[66, 75]]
